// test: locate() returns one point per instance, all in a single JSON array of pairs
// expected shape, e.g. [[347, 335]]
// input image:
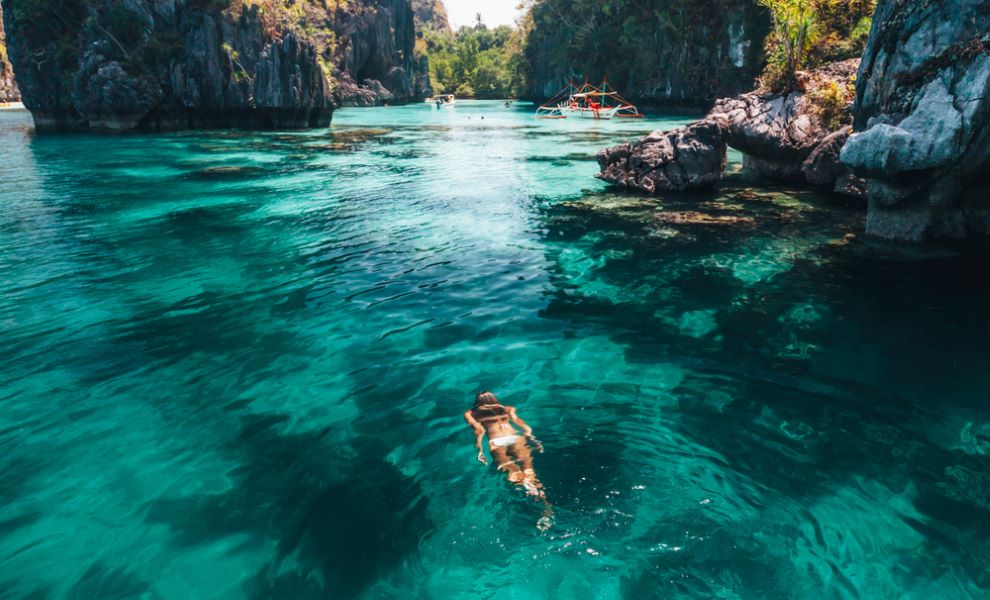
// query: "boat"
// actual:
[[588, 102], [442, 100]]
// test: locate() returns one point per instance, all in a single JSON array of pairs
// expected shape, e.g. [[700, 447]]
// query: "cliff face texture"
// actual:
[[119, 65], [430, 15], [375, 59], [8, 87], [675, 53], [923, 120], [111, 65]]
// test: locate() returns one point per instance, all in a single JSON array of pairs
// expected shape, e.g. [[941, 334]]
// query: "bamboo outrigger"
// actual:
[[589, 102]]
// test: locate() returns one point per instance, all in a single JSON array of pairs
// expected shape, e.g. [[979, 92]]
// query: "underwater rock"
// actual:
[[693, 217], [922, 120], [691, 157]]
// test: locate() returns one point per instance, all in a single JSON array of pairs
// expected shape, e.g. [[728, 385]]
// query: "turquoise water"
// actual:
[[234, 366]]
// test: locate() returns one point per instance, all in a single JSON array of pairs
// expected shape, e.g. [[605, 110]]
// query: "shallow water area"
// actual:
[[235, 365]]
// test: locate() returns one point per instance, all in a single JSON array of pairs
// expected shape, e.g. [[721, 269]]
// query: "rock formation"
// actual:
[[687, 158], [111, 65], [674, 53], [376, 63], [923, 120], [431, 15], [782, 136], [8, 87]]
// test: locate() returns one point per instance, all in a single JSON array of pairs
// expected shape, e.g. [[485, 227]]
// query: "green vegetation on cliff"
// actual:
[[129, 29], [476, 62], [807, 34]]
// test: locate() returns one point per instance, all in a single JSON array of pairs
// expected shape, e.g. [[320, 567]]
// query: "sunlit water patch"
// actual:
[[235, 363]]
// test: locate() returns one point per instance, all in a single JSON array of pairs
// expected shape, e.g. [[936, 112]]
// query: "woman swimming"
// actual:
[[508, 446]]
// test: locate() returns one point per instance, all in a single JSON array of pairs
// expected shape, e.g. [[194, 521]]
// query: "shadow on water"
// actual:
[[739, 292], [340, 517]]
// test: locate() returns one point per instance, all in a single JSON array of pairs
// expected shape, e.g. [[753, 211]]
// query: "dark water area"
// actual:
[[235, 366]]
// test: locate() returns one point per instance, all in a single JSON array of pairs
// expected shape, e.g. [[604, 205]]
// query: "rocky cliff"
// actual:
[[674, 53], [923, 120], [116, 65], [431, 15], [375, 62], [125, 64], [8, 87]]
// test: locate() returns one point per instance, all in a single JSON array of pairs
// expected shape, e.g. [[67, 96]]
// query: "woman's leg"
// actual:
[[505, 463], [524, 456]]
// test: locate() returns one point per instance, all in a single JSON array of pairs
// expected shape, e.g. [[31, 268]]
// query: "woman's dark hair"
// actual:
[[485, 399]]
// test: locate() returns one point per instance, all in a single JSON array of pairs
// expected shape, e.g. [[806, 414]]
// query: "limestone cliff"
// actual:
[[8, 87], [375, 61], [923, 120], [431, 15], [111, 65], [675, 53]]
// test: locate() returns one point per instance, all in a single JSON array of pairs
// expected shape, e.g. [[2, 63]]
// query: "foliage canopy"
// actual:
[[476, 62]]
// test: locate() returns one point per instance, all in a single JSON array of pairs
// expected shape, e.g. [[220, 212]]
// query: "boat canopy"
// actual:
[[587, 101]]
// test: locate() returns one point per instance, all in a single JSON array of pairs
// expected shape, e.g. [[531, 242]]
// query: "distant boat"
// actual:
[[588, 102], [442, 100]]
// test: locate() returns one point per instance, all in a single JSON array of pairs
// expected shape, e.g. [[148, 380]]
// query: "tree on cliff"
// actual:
[[806, 34]]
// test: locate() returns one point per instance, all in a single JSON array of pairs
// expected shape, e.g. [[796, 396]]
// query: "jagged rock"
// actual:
[[780, 136], [777, 133], [379, 53], [687, 158], [8, 86], [922, 125], [823, 167], [430, 15], [371, 92]]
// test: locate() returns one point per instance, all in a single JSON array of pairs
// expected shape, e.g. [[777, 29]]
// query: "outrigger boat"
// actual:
[[588, 102]]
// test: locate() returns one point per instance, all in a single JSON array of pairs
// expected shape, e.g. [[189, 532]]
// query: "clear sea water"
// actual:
[[234, 366]]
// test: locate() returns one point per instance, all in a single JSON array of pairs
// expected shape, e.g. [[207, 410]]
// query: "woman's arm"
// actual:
[[479, 434]]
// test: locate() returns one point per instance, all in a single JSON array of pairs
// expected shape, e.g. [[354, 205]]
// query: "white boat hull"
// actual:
[[590, 113]]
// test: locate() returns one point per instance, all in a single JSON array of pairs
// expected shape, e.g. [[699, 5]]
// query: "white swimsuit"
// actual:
[[505, 440]]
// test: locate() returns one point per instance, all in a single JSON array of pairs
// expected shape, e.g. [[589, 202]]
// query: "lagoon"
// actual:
[[235, 365]]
